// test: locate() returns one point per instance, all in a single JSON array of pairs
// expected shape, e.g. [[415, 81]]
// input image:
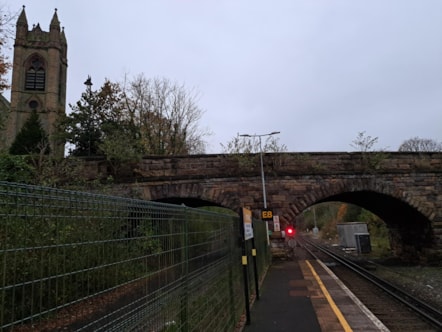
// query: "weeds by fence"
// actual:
[[79, 261]]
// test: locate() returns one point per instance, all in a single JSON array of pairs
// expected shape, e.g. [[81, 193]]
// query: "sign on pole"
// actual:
[[267, 215], [276, 224], [247, 221]]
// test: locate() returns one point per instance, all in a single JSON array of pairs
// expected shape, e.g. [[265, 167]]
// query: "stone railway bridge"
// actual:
[[404, 189]]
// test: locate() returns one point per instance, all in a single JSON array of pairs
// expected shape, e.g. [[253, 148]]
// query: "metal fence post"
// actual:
[[185, 271]]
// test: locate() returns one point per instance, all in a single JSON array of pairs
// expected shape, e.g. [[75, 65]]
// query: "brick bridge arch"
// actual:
[[404, 189]]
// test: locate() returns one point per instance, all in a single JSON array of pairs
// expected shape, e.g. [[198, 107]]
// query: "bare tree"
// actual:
[[6, 32], [246, 150], [239, 144], [167, 116], [364, 143], [371, 158], [417, 144]]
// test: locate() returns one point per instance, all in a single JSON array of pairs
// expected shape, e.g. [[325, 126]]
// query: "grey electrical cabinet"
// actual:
[[363, 244], [347, 231]]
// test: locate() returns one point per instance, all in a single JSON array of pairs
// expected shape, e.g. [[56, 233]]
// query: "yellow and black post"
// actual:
[[255, 268], [246, 231]]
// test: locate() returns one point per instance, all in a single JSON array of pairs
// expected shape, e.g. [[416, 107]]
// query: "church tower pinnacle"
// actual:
[[39, 76]]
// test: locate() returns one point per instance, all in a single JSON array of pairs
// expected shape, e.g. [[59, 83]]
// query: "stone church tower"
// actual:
[[38, 79]]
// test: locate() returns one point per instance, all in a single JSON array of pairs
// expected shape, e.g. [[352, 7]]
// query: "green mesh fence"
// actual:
[[83, 262]]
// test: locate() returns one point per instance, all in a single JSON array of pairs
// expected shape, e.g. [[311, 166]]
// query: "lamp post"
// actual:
[[262, 164], [265, 207], [88, 84], [315, 229]]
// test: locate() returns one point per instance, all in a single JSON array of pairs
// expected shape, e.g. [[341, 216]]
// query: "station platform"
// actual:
[[304, 295]]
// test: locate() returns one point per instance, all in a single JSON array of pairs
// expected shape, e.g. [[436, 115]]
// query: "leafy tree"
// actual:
[[31, 139], [82, 127], [352, 213], [96, 113], [417, 144], [101, 125], [120, 147], [16, 169], [55, 172]]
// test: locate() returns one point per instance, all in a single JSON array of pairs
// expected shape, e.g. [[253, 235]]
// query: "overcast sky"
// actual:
[[318, 71]]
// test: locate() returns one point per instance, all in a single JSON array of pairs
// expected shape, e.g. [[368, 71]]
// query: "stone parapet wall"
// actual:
[[216, 166]]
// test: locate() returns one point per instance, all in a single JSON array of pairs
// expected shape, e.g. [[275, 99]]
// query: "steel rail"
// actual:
[[431, 314]]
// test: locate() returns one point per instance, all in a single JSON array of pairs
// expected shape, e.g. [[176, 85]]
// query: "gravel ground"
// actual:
[[422, 281]]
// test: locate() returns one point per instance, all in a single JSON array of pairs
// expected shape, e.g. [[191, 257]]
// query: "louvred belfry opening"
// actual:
[[35, 75]]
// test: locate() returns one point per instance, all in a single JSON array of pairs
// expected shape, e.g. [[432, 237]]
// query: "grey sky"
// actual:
[[318, 71]]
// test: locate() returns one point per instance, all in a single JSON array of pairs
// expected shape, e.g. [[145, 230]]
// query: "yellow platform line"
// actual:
[[332, 303]]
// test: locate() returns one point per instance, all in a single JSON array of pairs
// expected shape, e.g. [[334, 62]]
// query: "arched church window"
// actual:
[[35, 75]]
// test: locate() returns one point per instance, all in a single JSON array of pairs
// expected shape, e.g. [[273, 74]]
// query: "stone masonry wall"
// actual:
[[409, 182]]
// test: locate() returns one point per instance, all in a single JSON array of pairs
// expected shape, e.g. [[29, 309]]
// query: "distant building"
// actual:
[[38, 81]]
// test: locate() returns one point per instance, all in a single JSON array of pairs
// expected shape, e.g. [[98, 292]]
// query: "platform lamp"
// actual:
[[262, 164], [262, 173], [88, 84]]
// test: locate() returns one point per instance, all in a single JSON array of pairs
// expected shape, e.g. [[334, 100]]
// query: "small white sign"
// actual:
[[248, 226], [276, 224]]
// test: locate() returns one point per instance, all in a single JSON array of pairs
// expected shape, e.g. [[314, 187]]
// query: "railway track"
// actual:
[[395, 307]]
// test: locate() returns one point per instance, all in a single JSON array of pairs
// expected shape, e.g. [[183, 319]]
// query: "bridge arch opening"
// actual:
[[409, 231]]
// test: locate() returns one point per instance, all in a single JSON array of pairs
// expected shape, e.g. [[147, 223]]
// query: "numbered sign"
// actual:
[[267, 215]]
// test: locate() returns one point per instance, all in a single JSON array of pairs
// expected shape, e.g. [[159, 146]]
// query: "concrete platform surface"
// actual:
[[304, 295]]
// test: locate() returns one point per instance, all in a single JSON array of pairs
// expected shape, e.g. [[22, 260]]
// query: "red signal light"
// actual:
[[290, 231]]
